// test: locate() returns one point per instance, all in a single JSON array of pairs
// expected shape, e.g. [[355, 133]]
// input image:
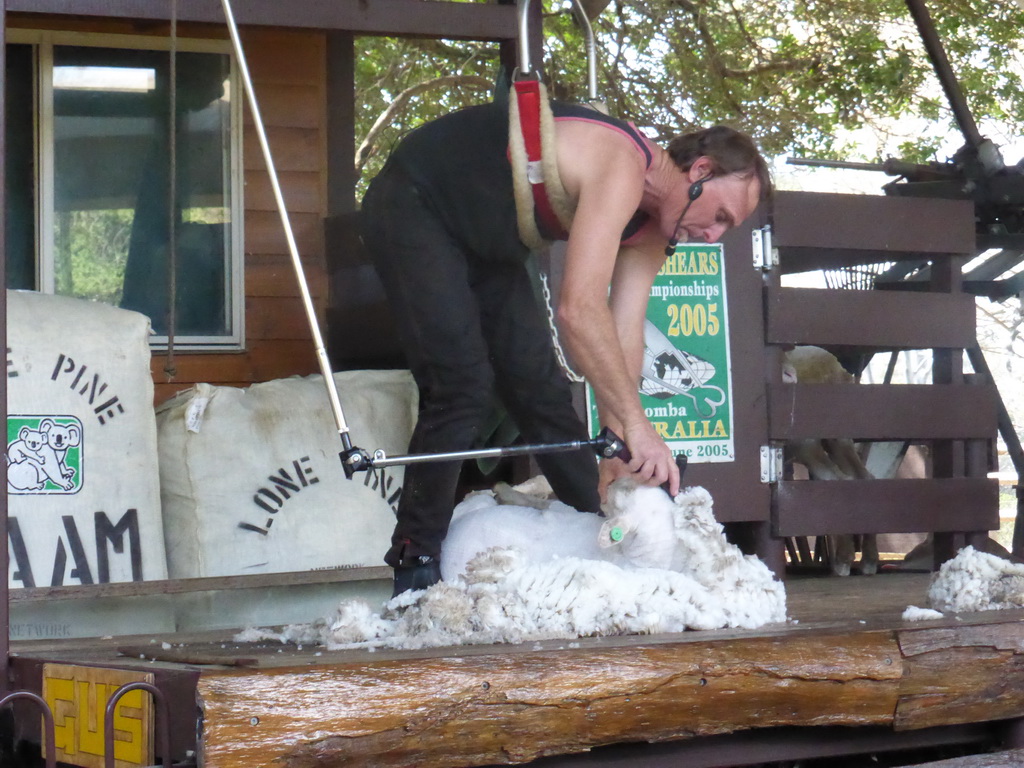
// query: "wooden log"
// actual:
[[961, 675], [517, 705]]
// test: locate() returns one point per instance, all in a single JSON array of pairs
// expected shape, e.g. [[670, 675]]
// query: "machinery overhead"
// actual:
[[976, 172]]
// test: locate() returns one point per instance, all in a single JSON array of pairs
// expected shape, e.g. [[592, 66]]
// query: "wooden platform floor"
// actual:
[[845, 658], [814, 603]]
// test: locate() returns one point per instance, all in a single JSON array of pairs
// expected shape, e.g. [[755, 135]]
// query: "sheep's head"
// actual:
[[640, 524], [814, 365]]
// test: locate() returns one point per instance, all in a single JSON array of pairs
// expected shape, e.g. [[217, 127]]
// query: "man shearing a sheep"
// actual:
[[441, 224]]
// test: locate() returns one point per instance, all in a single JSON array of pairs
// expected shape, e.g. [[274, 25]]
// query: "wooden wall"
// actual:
[[288, 69], [288, 72]]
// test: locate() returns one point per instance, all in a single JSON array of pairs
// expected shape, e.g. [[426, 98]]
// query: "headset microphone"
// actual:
[[692, 194], [697, 188]]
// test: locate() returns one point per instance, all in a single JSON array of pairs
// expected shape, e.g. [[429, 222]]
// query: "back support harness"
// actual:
[[540, 196]]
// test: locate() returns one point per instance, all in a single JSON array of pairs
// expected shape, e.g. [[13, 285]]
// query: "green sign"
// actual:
[[686, 380], [44, 455]]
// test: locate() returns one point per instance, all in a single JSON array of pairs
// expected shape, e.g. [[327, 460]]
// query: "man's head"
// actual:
[[723, 160], [729, 151]]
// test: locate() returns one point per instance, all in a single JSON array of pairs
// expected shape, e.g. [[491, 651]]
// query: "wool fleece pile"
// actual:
[[977, 581], [972, 581], [517, 573]]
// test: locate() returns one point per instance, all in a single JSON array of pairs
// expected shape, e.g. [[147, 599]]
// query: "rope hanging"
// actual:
[[172, 195]]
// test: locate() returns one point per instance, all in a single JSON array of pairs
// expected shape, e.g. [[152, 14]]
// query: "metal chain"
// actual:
[[559, 352]]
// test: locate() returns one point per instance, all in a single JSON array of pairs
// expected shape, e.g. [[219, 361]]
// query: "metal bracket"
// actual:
[[772, 463], [764, 256]]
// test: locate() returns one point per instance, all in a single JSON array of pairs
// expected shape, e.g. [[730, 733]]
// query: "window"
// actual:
[[89, 181]]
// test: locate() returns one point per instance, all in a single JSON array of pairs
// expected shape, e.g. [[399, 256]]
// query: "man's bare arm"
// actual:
[[608, 196], [635, 270]]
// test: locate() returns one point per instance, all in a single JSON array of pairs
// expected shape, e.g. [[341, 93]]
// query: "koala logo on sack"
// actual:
[[44, 455]]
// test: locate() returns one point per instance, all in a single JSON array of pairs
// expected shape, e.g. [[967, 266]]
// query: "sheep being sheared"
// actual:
[[517, 574], [544, 529], [644, 529], [831, 459]]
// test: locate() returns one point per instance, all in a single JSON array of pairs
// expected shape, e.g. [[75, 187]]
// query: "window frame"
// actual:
[[44, 42]]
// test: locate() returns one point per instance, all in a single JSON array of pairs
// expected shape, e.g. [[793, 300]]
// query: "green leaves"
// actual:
[[427, 79], [796, 74]]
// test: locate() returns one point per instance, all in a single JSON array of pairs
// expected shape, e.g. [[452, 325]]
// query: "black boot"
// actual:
[[416, 573]]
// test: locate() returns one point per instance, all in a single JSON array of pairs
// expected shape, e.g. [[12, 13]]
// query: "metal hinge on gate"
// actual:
[[765, 257], [772, 463]]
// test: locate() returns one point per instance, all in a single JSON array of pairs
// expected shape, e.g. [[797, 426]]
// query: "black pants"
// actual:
[[470, 328]]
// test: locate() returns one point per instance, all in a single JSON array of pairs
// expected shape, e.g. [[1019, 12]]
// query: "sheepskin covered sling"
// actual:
[[538, 188]]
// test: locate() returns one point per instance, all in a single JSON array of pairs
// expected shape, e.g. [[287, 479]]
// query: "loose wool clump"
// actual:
[[977, 581], [517, 574], [913, 613]]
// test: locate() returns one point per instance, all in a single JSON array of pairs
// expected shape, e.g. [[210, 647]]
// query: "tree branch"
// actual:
[[401, 101], [787, 65]]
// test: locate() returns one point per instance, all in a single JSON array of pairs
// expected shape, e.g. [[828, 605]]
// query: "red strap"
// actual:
[[528, 99]]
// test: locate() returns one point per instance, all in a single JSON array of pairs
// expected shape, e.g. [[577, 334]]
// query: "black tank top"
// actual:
[[460, 165]]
